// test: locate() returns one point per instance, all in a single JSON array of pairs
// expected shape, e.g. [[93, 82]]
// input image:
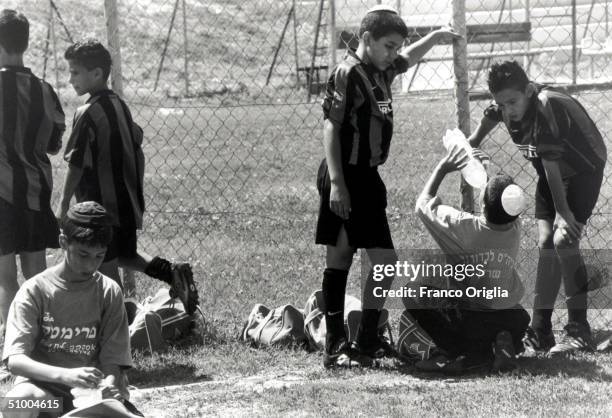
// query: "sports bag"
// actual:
[[158, 319], [314, 320], [413, 342], [282, 326]]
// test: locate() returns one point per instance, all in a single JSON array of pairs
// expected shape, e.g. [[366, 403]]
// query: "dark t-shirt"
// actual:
[[358, 99], [555, 127]]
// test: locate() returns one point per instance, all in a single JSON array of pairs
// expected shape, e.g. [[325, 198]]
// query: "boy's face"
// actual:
[[383, 51], [514, 103], [82, 259], [83, 80]]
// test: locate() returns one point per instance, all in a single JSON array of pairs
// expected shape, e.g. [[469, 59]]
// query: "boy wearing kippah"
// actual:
[[31, 127], [489, 244], [67, 327], [106, 165], [358, 115], [555, 133]]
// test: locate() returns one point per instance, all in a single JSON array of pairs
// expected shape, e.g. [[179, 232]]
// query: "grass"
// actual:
[[230, 188]]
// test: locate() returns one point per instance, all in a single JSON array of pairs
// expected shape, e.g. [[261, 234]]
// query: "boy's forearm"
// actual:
[[333, 152], [417, 50], [555, 183], [22, 365], [73, 177], [484, 128], [112, 372], [433, 184]]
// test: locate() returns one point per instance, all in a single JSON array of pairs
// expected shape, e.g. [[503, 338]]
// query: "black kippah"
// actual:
[[89, 214]]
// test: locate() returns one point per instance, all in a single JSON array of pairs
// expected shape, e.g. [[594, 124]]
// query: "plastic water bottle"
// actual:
[[474, 172]]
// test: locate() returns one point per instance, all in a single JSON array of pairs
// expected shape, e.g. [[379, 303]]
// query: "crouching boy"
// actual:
[[67, 327], [466, 333]]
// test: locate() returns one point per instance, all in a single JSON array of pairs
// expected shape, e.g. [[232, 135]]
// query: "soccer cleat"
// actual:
[[505, 354], [342, 355], [440, 362], [577, 337], [183, 287], [379, 348], [537, 340]]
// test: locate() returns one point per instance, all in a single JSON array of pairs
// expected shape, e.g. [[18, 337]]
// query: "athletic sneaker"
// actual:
[[440, 362], [537, 340], [183, 287], [340, 354], [576, 337], [505, 355], [379, 348]]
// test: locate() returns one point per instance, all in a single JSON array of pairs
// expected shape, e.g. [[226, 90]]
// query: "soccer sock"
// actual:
[[575, 284], [548, 282], [160, 269], [368, 328], [333, 289]]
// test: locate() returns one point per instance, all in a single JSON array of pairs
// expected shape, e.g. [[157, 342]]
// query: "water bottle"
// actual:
[[474, 172]]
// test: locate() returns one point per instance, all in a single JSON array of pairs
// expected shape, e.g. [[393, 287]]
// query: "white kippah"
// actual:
[[513, 200], [382, 8]]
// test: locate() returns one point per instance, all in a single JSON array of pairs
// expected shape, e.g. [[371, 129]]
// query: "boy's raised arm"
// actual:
[[482, 130], [414, 52]]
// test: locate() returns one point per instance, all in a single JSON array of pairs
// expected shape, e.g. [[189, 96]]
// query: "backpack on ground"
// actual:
[[282, 326], [414, 343], [158, 319]]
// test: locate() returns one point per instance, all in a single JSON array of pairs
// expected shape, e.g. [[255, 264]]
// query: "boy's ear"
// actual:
[[367, 37], [530, 90], [98, 73]]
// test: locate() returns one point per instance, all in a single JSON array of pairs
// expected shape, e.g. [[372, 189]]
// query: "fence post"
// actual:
[[460, 68], [333, 43], [112, 33]]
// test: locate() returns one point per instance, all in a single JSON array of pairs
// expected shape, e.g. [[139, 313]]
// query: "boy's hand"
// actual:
[[340, 200], [455, 159], [82, 377], [568, 225], [446, 34], [111, 392], [481, 156]]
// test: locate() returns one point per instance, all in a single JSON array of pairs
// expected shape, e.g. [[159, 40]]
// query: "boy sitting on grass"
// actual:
[[555, 133], [464, 336], [106, 165], [67, 327]]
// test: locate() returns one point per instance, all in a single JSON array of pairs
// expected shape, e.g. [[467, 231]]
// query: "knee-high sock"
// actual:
[[333, 289]]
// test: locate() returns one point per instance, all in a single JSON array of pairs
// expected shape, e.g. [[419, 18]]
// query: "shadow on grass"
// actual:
[[170, 373]]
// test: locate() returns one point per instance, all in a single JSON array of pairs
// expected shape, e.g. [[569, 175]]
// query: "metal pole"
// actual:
[[526, 60], [166, 42], [295, 46], [460, 67], [398, 6], [280, 44], [114, 44], [332, 34], [185, 49], [574, 48]]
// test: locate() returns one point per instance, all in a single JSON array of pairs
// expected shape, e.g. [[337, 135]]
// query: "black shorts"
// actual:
[[124, 244], [582, 191], [25, 230], [367, 225]]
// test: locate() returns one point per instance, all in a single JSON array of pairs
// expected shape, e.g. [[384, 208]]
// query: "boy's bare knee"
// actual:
[[26, 390]]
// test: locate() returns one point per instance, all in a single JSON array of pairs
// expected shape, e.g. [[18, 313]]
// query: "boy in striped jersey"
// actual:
[[106, 165], [31, 126], [557, 135]]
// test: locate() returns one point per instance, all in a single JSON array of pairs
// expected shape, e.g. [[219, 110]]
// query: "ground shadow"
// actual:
[[171, 373]]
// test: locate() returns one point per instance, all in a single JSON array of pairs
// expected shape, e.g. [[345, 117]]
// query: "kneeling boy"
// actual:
[[67, 327], [465, 335]]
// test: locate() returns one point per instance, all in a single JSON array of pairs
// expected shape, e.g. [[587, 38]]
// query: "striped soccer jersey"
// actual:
[[556, 127], [358, 99], [106, 144], [32, 123]]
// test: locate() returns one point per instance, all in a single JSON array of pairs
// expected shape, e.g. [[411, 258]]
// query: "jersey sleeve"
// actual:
[[443, 223], [551, 126], [114, 332], [22, 325], [494, 113], [338, 95], [59, 122], [78, 148]]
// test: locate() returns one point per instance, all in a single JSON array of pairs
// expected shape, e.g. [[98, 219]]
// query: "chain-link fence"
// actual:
[[228, 95]]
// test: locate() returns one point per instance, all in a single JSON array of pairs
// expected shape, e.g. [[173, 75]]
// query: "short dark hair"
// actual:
[[507, 74], [14, 31], [493, 210], [90, 54], [89, 224], [382, 23]]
